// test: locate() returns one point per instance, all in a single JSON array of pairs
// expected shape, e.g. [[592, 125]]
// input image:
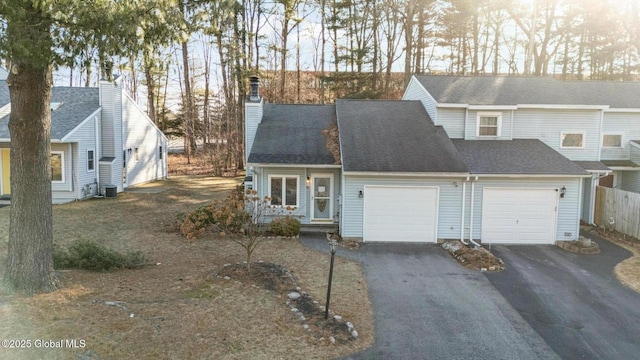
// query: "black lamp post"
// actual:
[[332, 246]]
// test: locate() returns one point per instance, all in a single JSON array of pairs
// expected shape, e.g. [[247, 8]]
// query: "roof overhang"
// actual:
[[492, 107], [563, 107], [409, 174], [623, 110], [331, 166], [537, 176]]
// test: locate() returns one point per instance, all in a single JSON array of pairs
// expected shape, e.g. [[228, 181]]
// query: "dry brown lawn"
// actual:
[[628, 271], [174, 308]]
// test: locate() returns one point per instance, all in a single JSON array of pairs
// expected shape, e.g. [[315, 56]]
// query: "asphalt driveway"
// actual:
[[573, 301], [426, 306]]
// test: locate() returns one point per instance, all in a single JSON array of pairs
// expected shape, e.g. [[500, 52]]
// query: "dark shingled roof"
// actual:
[[393, 136], [514, 90], [77, 104], [620, 163], [520, 156], [292, 134], [592, 165]]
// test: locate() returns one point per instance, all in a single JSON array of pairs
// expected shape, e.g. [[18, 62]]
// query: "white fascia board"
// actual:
[[623, 110], [412, 174], [536, 176], [293, 165], [493, 107], [5, 140], [89, 118], [624, 168], [455, 106], [563, 107]]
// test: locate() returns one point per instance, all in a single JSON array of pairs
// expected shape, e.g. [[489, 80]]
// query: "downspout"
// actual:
[[464, 203], [473, 189]]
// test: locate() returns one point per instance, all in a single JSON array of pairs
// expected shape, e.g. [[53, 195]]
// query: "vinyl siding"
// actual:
[[84, 139], [303, 212], [630, 181], [253, 117], [627, 124], [569, 207], [452, 120], [472, 123], [547, 125], [107, 93], [587, 189], [450, 200], [60, 189], [415, 91], [141, 133]]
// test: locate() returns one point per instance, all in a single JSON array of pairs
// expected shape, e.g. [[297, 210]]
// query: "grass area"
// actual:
[[628, 271], [174, 308]]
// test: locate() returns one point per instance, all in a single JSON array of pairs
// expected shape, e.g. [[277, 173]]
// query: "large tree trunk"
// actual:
[[30, 260]]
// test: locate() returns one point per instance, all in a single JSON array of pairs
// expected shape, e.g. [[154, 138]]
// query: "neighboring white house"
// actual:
[[492, 159], [99, 138]]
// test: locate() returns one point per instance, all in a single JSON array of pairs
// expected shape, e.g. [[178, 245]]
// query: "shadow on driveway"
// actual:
[[573, 301], [426, 306]]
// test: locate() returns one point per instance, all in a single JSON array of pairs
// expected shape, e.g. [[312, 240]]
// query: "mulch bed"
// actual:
[[476, 258], [309, 312]]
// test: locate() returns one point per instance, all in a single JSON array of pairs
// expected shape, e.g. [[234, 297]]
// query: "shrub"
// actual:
[[89, 255], [285, 226], [196, 222]]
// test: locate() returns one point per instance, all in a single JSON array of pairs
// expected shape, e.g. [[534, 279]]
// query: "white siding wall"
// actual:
[[253, 117], [547, 126], [65, 191], [587, 189], [141, 133], [415, 91], [631, 179], [84, 139], [472, 121], [450, 201], [107, 94], [303, 212], [569, 207], [627, 124], [452, 119]]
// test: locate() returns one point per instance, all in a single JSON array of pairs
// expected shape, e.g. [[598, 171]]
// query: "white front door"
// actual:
[[321, 197]]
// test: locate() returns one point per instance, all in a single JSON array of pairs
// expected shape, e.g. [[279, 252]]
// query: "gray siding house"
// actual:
[[99, 138], [479, 159]]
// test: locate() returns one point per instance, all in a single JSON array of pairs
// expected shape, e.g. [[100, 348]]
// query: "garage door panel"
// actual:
[[407, 214], [526, 216]]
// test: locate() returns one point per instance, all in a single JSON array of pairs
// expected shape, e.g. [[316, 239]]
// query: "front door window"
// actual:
[[321, 198]]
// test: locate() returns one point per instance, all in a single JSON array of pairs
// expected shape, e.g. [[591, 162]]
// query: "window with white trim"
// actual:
[[56, 159], [612, 140], [283, 190], [572, 140], [489, 124], [91, 160]]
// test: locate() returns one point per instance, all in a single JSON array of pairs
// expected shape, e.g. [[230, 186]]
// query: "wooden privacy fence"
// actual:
[[621, 207]]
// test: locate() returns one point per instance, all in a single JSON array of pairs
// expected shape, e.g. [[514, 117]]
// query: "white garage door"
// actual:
[[519, 216], [404, 214]]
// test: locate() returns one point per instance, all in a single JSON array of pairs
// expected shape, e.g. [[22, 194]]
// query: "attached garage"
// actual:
[[400, 213], [519, 215]]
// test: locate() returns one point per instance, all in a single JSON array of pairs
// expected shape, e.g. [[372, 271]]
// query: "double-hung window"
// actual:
[[56, 159], [283, 190], [489, 124], [91, 160]]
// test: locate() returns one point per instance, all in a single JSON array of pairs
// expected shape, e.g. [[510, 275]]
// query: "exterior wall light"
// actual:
[[563, 191], [308, 181], [360, 194]]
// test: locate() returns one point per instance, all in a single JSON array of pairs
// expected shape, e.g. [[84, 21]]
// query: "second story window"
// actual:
[[612, 140], [572, 140], [489, 124]]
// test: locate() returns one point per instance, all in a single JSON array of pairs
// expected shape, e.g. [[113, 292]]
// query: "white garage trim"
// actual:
[[400, 213], [519, 215]]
